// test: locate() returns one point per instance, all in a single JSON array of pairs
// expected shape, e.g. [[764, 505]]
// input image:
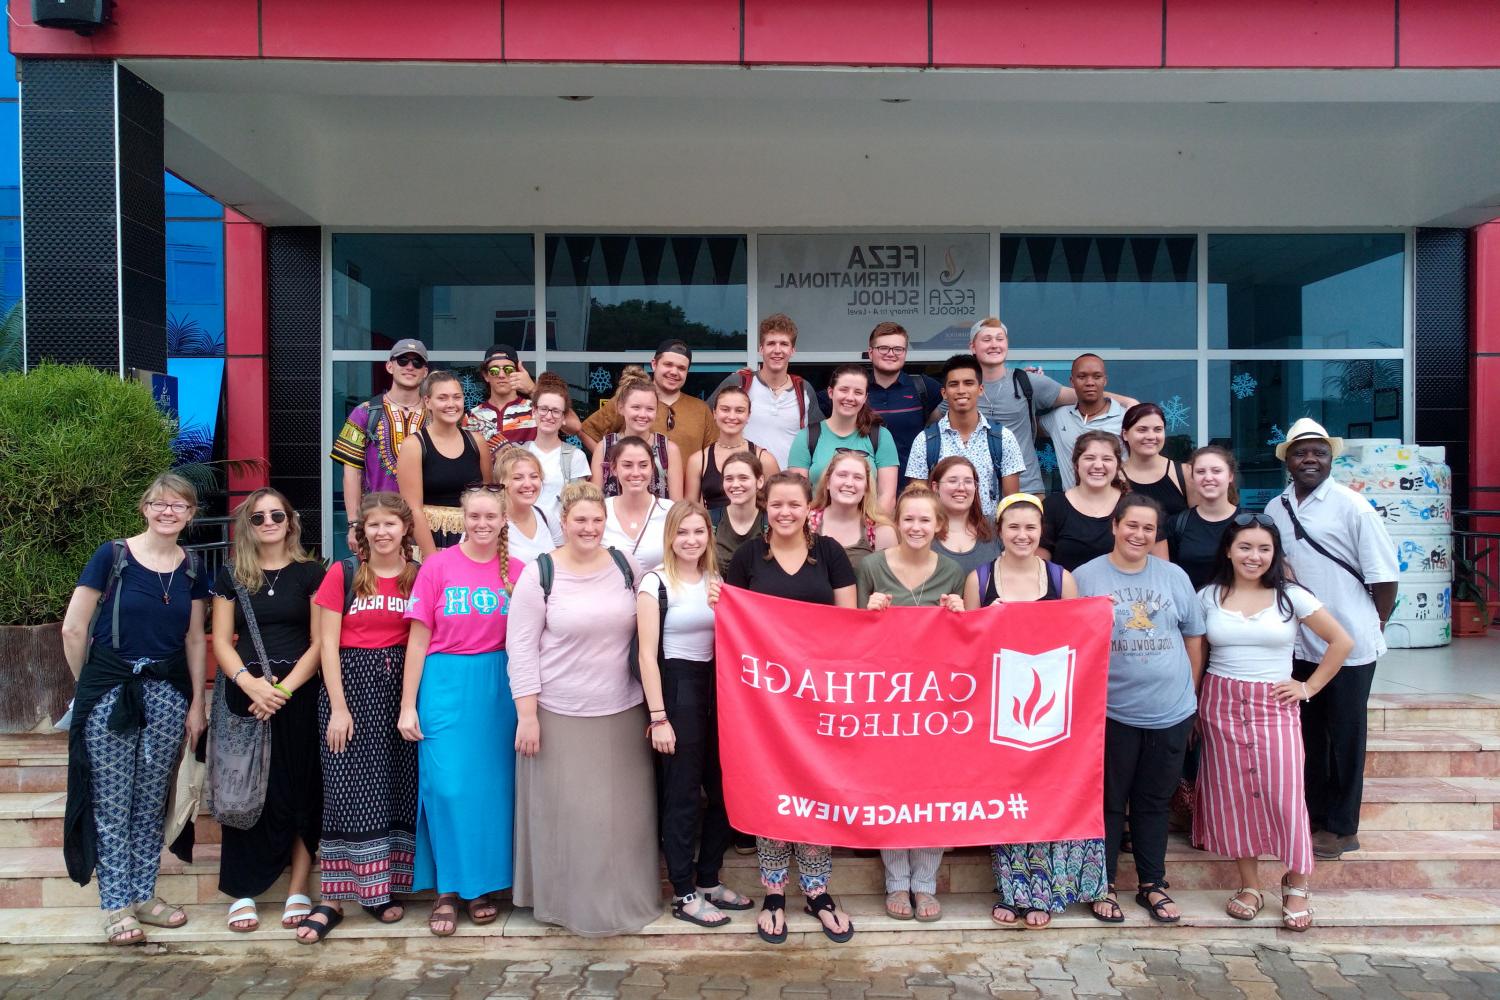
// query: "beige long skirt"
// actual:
[[586, 846]]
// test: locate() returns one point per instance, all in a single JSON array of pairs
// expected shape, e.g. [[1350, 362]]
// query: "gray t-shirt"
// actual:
[[1004, 405], [1150, 679]]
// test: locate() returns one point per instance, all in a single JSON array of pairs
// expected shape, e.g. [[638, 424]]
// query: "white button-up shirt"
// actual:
[[1065, 424], [976, 450], [1345, 524]]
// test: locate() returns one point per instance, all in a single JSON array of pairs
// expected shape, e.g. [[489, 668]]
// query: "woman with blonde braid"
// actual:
[[532, 530], [455, 701], [792, 562], [369, 771]]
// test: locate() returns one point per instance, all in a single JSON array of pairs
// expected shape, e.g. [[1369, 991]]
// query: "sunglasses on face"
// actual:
[[259, 517], [1259, 520], [410, 361], [494, 371]]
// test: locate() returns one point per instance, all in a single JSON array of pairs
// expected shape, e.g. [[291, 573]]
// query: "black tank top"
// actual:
[[1170, 494], [989, 594], [444, 478], [711, 486]]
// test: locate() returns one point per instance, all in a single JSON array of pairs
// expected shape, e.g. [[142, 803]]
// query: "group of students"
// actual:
[[460, 706]]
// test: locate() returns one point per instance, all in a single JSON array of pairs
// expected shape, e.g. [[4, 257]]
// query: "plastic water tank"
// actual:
[[1411, 487]]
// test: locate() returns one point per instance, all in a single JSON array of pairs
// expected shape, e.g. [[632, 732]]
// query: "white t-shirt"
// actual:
[[689, 634], [1257, 648], [646, 546], [548, 536], [774, 419], [555, 477]]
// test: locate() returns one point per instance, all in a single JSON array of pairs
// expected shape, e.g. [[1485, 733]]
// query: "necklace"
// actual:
[[271, 590], [166, 589]]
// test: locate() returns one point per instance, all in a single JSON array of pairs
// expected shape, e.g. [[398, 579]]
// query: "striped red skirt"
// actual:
[[1250, 793]]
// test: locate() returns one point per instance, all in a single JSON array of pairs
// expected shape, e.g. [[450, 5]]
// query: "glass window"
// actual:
[[452, 291], [195, 289], [590, 382], [1252, 403], [838, 286], [629, 293], [10, 158], [186, 202], [1100, 292], [1306, 290]]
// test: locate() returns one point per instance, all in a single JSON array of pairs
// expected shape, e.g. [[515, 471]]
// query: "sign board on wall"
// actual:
[[838, 286]]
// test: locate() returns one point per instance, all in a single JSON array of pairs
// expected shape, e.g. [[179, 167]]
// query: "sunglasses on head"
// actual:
[[411, 361], [259, 517], [485, 487], [1260, 520]]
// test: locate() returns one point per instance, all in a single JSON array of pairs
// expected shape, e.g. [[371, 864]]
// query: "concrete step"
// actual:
[[34, 877], [1433, 753], [1456, 916], [1434, 711]]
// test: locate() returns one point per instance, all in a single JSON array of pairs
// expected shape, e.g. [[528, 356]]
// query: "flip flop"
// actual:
[[925, 899], [1015, 911], [898, 905], [824, 903], [331, 917], [1025, 922], [297, 909], [774, 901]]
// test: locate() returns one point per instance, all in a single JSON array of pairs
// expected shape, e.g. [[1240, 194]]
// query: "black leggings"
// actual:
[[1141, 770], [690, 776]]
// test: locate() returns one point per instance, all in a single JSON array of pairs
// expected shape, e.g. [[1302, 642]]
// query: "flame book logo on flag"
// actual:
[[1032, 698]]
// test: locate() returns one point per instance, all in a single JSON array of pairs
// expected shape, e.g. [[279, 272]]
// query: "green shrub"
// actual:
[[77, 448]]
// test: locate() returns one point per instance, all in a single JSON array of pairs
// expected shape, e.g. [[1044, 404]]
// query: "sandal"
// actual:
[[121, 928], [821, 904], [379, 912], [298, 908], [774, 902], [1109, 899], [934, 908], [1244, 911], [1038, 925], [161, 913], [1143, 898], [240, 911], [444, 912], [708, 914], [898, 905], [726, 898], [1003, 907], [1287, 916], [331, 919], [481, 918]]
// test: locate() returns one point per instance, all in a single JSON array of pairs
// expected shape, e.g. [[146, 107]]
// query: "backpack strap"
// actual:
[[1054, 577], [565, 459], [919, 382], [996, 444], [350, 565], [661, 631], [985, 572], [1023, 384], [1175, 526], [932, 438], [746, 377], [814, 431], [624, 565], [800, 388], [375, 412], [119, 553], [545, 569]]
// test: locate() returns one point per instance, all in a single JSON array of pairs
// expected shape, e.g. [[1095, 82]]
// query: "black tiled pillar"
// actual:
[[1441, 345], [294, 284], [94, 232]]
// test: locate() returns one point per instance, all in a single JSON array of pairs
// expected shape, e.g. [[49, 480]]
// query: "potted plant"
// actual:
[[80, 446], [1471, 585]]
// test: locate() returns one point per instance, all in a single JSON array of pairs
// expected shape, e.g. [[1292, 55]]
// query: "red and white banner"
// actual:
[[913, 727]]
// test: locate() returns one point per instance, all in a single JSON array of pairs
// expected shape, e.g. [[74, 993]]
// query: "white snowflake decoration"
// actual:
[[600, 381], [1177, 413], [1277, 435], [1243, 385], [1046, 457]]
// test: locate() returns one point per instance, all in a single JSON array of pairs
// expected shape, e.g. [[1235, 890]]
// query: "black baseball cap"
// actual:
[[501, 351], [673, 345]]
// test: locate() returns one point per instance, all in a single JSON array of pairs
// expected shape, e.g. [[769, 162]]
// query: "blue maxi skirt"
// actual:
[[466, 770]]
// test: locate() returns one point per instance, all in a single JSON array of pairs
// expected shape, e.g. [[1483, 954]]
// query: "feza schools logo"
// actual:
[[951, 274], [1031, 701]]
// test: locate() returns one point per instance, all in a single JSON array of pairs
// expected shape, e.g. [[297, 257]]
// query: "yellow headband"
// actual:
[[1016, 498]]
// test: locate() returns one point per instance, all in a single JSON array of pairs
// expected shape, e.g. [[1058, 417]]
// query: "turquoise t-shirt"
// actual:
[[884, 451]]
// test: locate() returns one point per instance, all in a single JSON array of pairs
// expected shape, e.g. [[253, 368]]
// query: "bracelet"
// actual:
[[1306, 696], [283, 690], [235, 680], [657, 711]]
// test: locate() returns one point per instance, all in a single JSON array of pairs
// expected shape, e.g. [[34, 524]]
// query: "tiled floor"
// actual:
[[1465, 666]]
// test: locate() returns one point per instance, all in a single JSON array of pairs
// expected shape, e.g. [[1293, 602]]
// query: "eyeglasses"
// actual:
[[890, 352], [548, 411], [498, 370], [411, 361], [485, 487], [259, 517], [162, 506], [1246, 520]]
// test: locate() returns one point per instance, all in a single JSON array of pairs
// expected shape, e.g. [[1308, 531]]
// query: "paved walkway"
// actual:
[[1114, 969]]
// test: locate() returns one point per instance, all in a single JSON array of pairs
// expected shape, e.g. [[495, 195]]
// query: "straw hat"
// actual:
[[1307, 428]]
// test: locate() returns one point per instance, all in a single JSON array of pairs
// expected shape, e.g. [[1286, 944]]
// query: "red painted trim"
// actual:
[[1279, 34], [454, 30], [1484, 320], [246, 336], [669, 31], [1101, 33], [1450, 33], [837, 32], [227, 28]]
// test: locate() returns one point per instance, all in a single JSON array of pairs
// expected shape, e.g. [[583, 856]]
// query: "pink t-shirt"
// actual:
[[462, 601]]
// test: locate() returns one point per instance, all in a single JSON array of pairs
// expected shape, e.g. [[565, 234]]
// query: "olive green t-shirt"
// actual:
[[874, 576]]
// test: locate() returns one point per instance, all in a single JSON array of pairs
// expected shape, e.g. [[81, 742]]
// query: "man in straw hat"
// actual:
[[1338, 548]]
